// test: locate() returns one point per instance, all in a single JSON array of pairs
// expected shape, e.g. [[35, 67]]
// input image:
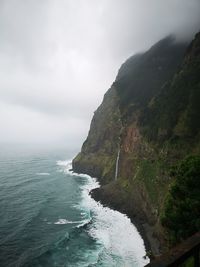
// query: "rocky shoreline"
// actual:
[[146, 230]]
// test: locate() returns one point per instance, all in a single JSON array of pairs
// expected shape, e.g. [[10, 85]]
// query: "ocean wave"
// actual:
[[81, 224], [63, 162], [66, 167], [120, 241], [43, 173], [64, 221], [84, 223], [114, 230]]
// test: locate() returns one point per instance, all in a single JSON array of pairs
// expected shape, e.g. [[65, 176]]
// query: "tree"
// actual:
[[181, 214]]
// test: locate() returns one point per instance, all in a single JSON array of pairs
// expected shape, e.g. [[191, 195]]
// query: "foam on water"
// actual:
[[63, 163], [64, 221], [43, 173], [121, 243]]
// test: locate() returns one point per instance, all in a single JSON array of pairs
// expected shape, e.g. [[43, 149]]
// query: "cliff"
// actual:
[[151, 115]]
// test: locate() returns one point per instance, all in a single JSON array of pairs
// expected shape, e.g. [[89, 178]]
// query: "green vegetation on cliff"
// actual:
[[99, 151], [151, 113], [181, 214], [174, 112]]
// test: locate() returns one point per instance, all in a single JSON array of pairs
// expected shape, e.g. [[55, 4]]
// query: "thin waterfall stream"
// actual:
[[117, 165]]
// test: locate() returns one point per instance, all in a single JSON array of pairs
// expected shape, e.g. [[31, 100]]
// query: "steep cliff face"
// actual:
[[99, 151], [174, 113], [136, 118]]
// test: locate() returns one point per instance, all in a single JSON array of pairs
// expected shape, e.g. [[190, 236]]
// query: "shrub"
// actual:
[[181, 214]]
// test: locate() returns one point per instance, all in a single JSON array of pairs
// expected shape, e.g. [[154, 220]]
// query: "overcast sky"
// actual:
[[58, 58]]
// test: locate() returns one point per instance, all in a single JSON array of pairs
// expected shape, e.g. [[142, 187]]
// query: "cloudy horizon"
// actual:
[[58, 58]]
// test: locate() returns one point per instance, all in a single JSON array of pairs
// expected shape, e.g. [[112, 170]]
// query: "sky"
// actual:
[[59, 57]]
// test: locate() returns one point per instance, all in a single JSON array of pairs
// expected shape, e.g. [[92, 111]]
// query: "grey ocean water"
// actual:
[[49, 219]]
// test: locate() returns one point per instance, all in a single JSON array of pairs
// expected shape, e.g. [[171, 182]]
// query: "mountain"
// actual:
[[148, 121]]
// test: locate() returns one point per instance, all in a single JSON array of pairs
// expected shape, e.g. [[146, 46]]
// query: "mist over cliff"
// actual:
[[148, 122]]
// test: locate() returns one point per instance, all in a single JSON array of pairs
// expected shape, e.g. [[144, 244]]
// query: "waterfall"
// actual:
[[117, 165]]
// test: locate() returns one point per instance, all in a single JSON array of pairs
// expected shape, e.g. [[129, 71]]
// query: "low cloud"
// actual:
[[58, 58]]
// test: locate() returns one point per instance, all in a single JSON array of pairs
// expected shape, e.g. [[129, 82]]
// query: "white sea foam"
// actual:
[[122, 244], [115, 231], [63, 221], [66, 167], [64, 162]]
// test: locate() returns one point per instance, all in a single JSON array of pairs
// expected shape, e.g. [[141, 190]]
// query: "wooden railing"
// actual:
[[189, 249]]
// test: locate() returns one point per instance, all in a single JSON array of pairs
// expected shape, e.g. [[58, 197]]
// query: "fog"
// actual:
[[58, 58]]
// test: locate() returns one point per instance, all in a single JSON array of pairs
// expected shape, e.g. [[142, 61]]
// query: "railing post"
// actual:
[[188, 249]]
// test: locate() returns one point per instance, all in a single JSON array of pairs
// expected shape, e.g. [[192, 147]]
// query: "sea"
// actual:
[[48, 219]]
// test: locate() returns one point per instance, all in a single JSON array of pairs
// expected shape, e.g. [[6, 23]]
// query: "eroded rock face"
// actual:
[[132, 139], [132, 118]]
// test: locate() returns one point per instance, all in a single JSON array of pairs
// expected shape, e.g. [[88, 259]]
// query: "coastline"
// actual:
[[133, 205], [145, 257], [151, 242]]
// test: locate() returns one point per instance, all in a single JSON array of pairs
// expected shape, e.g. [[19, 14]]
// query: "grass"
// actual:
[[154, 179]]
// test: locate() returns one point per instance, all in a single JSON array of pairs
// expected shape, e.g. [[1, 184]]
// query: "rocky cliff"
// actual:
[[151, 115]]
